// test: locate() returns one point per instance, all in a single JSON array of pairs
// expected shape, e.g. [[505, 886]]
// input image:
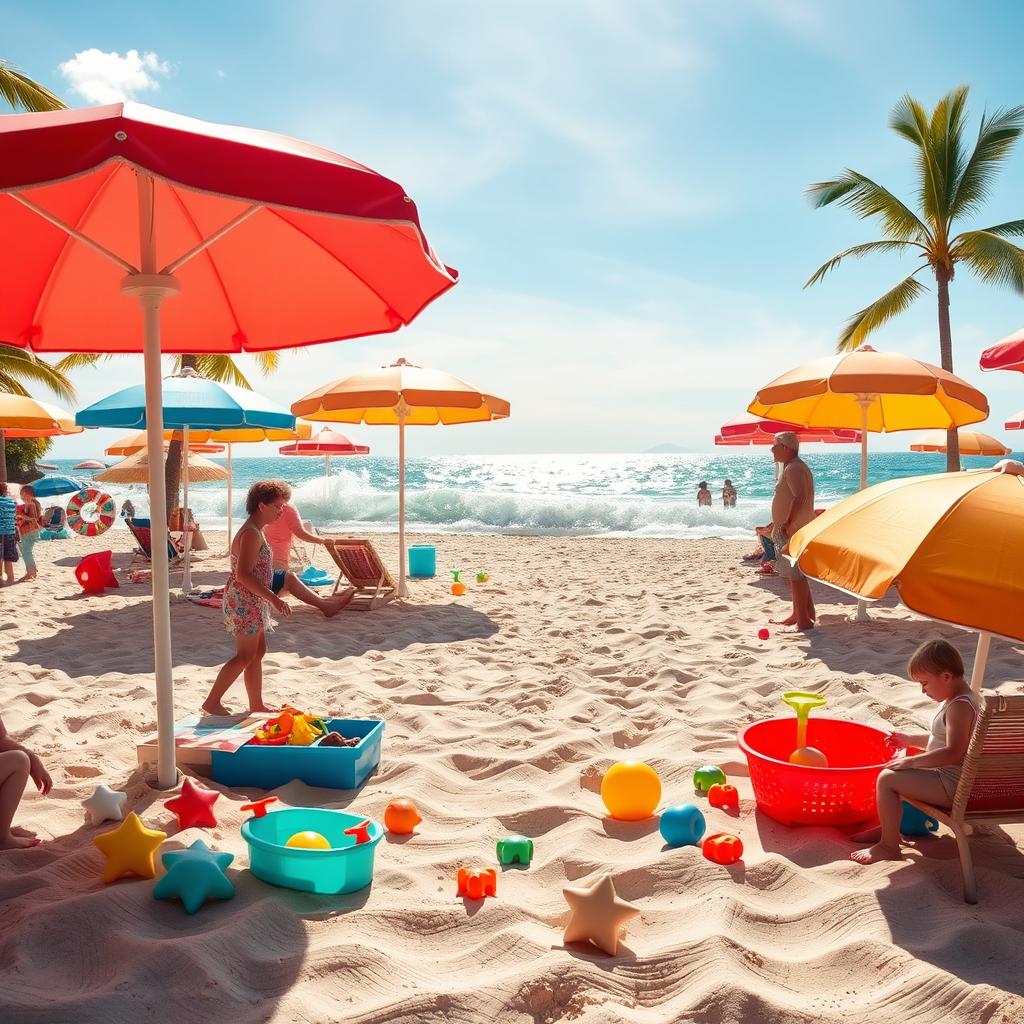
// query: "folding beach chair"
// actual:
[[140, 530], [359, 563], [991, 788]]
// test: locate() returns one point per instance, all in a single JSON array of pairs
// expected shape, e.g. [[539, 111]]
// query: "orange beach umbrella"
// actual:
[[972, 442], [23, 416]]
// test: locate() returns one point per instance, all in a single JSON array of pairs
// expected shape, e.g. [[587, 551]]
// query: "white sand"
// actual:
[[503, 710]]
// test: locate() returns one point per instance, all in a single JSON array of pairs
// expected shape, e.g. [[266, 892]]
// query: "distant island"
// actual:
[[668, 449]]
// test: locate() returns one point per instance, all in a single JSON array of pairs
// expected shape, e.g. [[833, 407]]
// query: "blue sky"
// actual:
[[619, 184]]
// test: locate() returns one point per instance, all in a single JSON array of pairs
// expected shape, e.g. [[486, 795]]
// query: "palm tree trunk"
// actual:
[[172, 469], [946, 352]]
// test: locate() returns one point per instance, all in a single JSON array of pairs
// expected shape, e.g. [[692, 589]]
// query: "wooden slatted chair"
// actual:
[[360, 564], [991, 788]]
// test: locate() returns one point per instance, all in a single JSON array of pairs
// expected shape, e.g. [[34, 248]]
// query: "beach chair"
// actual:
[[991, 788], [140, 530], [359, 563]]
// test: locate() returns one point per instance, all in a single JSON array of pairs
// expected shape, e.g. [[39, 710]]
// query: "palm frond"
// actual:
[[869, 199], [882, 310], [945, 144], [992, 258], [858, 251], [81, 361], [996, 137], [1010, 227], [10, 386], [909, 119], [218, 367], [20, 91], [268, 362], [20, 365]]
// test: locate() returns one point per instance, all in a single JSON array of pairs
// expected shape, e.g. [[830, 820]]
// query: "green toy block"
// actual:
[[707, 776], [515, 850]]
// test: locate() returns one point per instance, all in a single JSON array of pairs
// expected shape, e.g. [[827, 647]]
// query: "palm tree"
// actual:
[[20, 91], [951, 183], [216, 367]]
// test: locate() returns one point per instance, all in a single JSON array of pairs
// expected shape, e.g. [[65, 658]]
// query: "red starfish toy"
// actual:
[[194, 805]]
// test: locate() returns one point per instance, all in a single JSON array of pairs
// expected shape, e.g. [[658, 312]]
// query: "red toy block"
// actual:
[[476, 883], [194, 805], [94, 573], [723, 848], [361, 831], [259, 807], [724, 796]]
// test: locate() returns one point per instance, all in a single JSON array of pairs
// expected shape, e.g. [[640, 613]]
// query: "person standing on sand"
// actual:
[[8, 534], [792, 508]]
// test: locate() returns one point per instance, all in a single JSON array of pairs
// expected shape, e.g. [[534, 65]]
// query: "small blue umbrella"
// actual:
[[50, 486], [189, 402]]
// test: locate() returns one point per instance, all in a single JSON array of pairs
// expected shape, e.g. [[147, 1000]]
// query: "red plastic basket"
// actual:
[[842, 794]]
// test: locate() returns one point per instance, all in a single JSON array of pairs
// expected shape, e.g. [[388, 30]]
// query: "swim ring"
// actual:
[[91, 512]]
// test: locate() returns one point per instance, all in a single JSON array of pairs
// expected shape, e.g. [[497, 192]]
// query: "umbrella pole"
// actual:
[[864, 401], [980, 661], [327, 484], [150, 288], [403, 589], [186, 578], [230, 474]]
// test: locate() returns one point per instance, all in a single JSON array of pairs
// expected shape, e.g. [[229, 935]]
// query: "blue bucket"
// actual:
[[422, 561], [345, 867]]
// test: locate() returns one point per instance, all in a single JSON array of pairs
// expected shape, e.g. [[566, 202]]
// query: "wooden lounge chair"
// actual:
[[991, 788], [140, 530], [359, 563]]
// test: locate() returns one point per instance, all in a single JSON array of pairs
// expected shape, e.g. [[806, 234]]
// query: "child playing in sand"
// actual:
[[248, 598], [8, 534], [931, 777], [30, 519], [17, 766]]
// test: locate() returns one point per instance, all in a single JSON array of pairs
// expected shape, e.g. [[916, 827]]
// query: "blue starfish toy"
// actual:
[[194, 876]]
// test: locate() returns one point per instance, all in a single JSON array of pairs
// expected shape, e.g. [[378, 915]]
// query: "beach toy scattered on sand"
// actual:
[[308, 841], [916, 823], [94, 572], [515, 850], [724, 796], [194, 805], [631, 790], [722, 848], [292, 727], [259, 807], [763, 634], [458, 587], [476, 883], [335, 739], [344, 866], [360, 831], [597, 915], [194, 876], [401, 816], [802, 703], [314, 577], [482, 577], [105, 804], [129, 849], [708, 775], [682, 825]]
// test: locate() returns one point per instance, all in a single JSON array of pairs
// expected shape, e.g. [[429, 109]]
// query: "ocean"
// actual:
[[607, 495]]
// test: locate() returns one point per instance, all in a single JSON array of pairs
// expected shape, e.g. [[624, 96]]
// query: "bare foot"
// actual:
[[25, 833], [338, 602], [870, 835], [799, 627], [876, 853], [215, 709], [261, 709], [13, 842], [789, 620]]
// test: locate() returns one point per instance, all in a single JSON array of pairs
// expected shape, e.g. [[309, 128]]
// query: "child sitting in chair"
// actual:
[[932, 776]]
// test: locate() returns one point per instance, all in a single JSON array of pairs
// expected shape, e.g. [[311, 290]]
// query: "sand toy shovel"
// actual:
[[802, 702]]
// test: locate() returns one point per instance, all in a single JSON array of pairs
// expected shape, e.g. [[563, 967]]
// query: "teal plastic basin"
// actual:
[[343, 868], [422, 561]]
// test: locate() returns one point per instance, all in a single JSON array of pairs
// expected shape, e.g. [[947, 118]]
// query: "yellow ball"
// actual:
[[631, 790], [308, 841], [810, 757]]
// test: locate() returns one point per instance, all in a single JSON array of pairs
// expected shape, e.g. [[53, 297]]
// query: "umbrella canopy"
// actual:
[[91, 464], [50, 486], [1015, 422], [21, 416], [952, 544], [135, 470], [758, 430], [1007, 354], [326, 442], [972, 442], [401, 394], [228, 239], [136, 442]]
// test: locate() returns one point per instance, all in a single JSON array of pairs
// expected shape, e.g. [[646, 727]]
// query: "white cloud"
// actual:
[[100, 77]]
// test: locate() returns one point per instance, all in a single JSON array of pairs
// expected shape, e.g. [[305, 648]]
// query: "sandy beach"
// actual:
[[503, 709]]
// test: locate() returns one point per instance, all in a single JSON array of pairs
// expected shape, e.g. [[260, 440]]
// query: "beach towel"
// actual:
[[211, 597]]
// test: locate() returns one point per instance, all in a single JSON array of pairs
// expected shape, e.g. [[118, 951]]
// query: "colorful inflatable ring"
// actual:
[[91, 512]]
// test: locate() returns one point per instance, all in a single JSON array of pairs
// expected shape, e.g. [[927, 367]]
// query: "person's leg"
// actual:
[[28, 543], [802, 605], [14, 771], [768, 546], [328, 605], [246, 647], [916, 783], [254, 675]]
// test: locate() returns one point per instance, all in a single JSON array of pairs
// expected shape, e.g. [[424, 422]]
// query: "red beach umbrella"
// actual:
[[1007, 354], [1015, 422], [224, 239], [325, 444]]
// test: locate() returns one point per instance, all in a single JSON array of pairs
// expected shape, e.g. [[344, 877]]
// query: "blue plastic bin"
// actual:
[[422, 561], [332, 767], [346, 867]]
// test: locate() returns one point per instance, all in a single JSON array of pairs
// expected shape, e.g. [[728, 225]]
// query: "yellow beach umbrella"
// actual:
[[972, 442], [135, 470], [952, 544], [134, 443], [22, 416], [402, 395]]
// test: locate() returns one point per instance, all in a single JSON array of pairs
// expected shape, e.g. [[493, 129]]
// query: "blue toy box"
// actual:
[[267, 767]]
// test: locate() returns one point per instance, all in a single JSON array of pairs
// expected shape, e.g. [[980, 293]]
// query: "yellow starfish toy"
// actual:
[[130, 849]]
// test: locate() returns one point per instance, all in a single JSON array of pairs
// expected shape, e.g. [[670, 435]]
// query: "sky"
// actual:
[[620, 184]]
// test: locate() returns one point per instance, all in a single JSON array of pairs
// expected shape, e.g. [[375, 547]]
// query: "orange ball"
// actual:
[[401, 817], [458, 589], [631, 790]]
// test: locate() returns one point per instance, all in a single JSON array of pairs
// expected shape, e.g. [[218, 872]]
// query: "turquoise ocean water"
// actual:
[[616, 495]]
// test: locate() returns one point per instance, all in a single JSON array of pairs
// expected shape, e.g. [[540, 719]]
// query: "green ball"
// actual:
[[707, 776]]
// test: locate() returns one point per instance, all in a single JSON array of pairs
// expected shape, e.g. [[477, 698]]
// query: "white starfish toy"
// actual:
[[105, 804]]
